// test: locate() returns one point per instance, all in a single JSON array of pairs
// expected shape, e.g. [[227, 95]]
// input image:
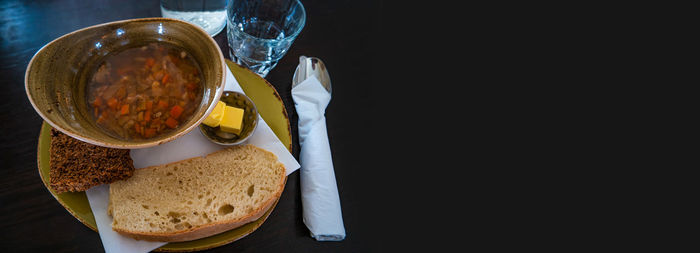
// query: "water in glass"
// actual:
[[257, 45], [261, 32]]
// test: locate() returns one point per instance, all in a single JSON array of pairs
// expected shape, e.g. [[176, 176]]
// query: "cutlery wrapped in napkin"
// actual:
[[319, 192]]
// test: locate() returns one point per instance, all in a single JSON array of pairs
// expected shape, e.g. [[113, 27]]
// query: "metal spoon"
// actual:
[[311, 66]]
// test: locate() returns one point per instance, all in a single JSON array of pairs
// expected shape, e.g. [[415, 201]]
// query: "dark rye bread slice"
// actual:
[[76, 166]]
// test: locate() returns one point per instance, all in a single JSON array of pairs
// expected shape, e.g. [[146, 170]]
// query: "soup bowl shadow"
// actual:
[[57, 76]]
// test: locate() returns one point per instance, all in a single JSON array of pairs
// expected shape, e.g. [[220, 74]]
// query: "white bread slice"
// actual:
[[198, 197]]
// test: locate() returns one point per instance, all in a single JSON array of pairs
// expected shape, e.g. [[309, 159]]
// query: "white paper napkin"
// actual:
[[190, 145], [319, 192]]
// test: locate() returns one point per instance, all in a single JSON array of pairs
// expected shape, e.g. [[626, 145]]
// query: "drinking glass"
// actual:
[[261, 31], [210, 15]]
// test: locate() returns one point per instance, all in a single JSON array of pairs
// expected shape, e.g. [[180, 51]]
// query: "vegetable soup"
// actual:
[[144, 92]]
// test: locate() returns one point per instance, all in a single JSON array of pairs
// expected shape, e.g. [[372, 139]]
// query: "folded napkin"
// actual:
[[319, 192], [190, 145]]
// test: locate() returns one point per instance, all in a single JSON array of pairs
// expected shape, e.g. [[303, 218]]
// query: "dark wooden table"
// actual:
[[342, 33]]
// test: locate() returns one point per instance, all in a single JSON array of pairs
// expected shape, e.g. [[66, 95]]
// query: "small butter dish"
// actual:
[[250, 120]]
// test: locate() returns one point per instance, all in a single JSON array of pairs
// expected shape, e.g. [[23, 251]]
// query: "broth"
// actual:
[[144, 92]]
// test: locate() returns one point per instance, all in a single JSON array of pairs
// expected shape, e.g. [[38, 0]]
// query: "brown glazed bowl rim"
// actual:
[[150, 143]]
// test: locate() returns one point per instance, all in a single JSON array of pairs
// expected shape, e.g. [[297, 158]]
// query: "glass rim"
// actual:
[[294, 34]]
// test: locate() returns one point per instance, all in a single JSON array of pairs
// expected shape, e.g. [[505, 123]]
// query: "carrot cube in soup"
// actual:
[[113, 103], [176, 111], [150, 62], [97, 102], [171, 123], [165, 79], [149, 132], [147, 116], [125, 109], [103, 117], [149, 105], [163, 104]]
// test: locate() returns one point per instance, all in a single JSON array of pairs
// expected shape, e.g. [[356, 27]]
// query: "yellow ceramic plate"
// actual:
[[270, 107]]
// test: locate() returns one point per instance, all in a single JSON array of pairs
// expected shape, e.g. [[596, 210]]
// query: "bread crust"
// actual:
[[213, 228]]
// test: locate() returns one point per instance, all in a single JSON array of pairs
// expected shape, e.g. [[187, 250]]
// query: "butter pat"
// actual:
[[232, 121], [214, 118]]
